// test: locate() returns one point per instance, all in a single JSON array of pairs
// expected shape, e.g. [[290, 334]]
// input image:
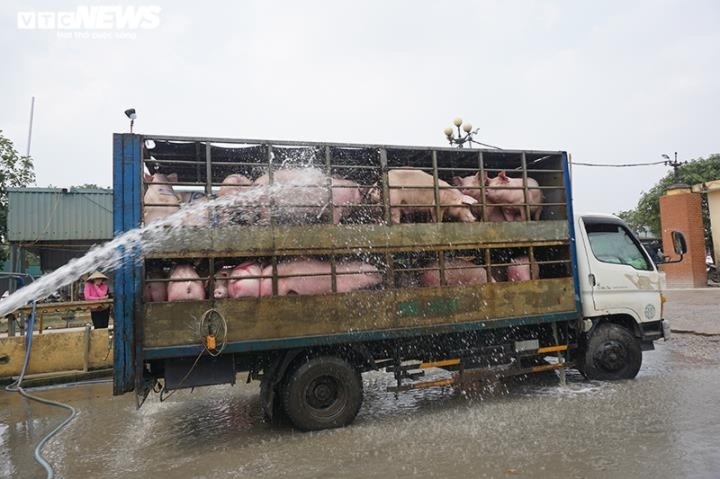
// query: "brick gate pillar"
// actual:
[[680, 210]]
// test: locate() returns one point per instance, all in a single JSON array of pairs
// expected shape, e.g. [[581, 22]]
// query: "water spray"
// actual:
[[110, 256]]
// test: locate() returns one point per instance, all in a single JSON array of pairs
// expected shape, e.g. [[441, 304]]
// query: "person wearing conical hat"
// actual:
[[96, 288]]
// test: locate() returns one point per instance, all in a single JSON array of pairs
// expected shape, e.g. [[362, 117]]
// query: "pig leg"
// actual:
[[537, 213]]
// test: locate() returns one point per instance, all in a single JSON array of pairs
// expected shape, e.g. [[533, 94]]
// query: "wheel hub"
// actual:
[[322, 393], [611, 356]]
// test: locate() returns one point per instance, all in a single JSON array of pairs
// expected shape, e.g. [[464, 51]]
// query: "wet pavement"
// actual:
[[663, 424], [694, 310]]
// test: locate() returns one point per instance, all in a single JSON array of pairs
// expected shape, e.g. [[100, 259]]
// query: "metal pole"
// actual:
[[32, 111]]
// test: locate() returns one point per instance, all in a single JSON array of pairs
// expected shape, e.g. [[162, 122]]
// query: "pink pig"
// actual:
[[457, 272], [470, 185], [345, 194], [302, 276], [160, 200], [507, 192], [309, 188], [154, 291], [243, 281], [349, 277], [415, 188], [520, 269], [235, 184], [298, 193], [196, 212], [186, 284], [220, 284]]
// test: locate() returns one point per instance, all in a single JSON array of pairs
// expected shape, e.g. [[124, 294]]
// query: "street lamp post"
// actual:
[[460, 140], [675, 164]]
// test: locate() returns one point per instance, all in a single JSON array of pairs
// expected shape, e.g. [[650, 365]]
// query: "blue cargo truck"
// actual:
[[589, 296]]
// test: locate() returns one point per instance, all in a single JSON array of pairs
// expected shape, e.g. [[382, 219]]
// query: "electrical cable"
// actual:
[[224, 331], [213, 353], [621, 165], [17, 387]]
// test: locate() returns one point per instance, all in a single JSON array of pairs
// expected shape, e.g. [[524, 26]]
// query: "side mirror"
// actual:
[[679, 244]]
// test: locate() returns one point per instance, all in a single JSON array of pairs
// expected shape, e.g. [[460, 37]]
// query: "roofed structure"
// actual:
[[57, 224]]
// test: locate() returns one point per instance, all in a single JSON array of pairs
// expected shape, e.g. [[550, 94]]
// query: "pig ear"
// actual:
[[486, 177], [503, 177], [172, 177], [457, 181], [468, 200], [147, 177]]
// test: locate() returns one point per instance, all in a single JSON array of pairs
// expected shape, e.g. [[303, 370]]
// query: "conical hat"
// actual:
[[96, 275]]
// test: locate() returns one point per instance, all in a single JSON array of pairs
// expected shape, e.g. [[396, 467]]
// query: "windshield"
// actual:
[[612, 243]]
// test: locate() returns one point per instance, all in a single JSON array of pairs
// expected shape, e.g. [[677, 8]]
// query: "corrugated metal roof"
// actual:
[[55, 214]]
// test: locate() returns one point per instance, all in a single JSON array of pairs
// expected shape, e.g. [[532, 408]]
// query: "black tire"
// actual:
[[324, 392], [714, 275], [612, 353]]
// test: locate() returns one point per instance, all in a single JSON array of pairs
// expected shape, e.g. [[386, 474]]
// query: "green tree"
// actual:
[[15, 171], [647, 212]]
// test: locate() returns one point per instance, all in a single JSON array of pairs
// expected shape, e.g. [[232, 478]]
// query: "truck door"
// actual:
[[622, 277]]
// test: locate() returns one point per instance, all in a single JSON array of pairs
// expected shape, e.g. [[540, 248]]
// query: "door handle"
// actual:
[[591, 278]]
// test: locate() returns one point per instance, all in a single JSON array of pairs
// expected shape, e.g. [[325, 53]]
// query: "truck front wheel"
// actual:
[[322, 393], [612, 353]]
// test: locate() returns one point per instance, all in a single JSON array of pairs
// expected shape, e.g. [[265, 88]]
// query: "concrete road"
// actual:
[[694, 310], [665, 424]]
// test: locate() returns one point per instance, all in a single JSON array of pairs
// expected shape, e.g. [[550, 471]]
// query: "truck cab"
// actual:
[[621, 297]]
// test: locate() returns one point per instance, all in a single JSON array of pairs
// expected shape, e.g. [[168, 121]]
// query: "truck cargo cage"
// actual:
[[417, 262]]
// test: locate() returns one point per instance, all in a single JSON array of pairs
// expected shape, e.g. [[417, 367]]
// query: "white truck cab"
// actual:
[[621, 295]]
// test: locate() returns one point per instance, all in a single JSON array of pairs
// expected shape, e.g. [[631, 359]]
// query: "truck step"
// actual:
[[404, 366], [477, 375], [414, 374]]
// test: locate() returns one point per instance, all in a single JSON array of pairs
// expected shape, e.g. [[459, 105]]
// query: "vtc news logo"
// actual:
[[100, 17]]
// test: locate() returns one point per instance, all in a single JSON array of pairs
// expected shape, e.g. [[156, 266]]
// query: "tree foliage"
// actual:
[[15, 171], [646, 214]]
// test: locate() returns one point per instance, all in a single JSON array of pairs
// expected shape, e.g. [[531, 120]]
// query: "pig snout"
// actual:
[[463, 212], [220, 290]]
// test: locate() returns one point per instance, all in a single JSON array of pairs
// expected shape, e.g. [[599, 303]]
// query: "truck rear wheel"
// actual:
[[612, 353], [323, 393]]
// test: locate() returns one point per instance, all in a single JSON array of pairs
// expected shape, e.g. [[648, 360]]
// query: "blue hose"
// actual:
[[16, 386]]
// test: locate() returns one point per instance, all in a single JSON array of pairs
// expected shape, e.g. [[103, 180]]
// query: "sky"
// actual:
[[611, 82]]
